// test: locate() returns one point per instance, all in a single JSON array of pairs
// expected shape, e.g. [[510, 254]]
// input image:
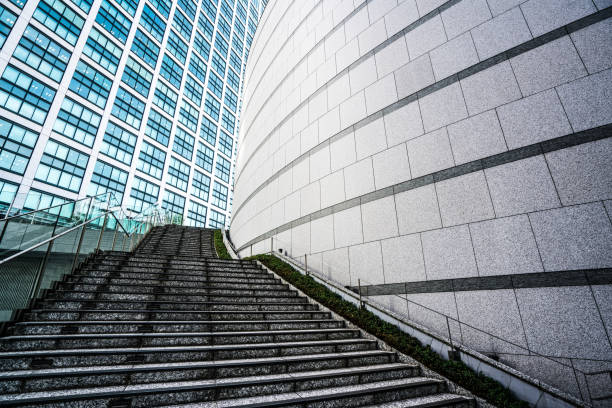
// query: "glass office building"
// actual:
[[141, 98]]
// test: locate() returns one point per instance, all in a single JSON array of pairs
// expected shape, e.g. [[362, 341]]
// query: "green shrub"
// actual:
[[220, 246], [456, 371]]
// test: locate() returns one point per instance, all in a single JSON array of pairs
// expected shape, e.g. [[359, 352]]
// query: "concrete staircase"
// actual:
[[172, 325]]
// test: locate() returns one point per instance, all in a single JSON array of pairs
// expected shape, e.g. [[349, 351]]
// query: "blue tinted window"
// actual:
[[212, 106], [158, 127], [19, 3], [233, 80], [200, 185], [188, 116], [174, 203], [222, 170], [193, 90], [153, 23], [151, 160], [165, 98], [142, 195], [90, 84], [163, 6], [206, 26], [102, 50], [210, 8], [201, 45], [84, 5], [183, 25], [215, 84], [42, 53], [177, 47], [228, 121], [118, 143], [59, 18], [235, 61], [224, 27], [226, 143], [145, 48], [227, 10], [128, 108], [107, 178], [197, 67], [216, 220], [183, 143], [204, 157], [7, 21], [221, 45], [24, 95], [62, 166], [218, 63], [189, 7], [196, 215], [178, 174], [113, 21], [219, 196], [231, 100], [16, 146], [171, 71], [208, 131], [129, 6], [77, 122], [137, 77], [237, 43]]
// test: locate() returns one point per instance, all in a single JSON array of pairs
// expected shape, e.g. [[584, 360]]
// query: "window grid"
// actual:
[[218, 64], [206, 26], [178, 174], [200, 185], [165, 98], [24, 95], [189, 7], [59, 18], [171, 71], [208, 131], [231, 100], [223, 27], [145, 48], [102, 50], [183, 143], [90, 84], [151, 160], [77, 122], [228, 121], [197, 67], [212, 106], [177, 47], [128, 108], [62, 166], [216, 220], [174, 203], [204, 157], [16, 146], [42, 53], [142, 195], [193, 90], [221, 45], [201, 45], [188, 116], [158, 127], [137, 77], [210, 8], [129, 5], [183, 25], [118, 143], [113, 21], [152, 23], [223, 169], [162, 6], [107, 178], [7, 21], [196, 215], [226, 142]]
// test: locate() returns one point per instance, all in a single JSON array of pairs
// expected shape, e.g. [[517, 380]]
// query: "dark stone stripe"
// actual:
[[562, 142], [519, 281], [474, 69]]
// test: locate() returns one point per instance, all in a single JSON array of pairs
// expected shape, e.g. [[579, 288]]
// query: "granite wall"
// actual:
[[453, 156]]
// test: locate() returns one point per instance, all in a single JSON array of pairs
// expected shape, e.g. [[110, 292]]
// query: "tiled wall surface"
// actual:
[[415, 141]]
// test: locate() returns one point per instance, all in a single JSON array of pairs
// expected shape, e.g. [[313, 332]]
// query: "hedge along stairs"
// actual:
[[171, 324]]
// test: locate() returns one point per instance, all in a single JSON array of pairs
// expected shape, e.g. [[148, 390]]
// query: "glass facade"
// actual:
[[149, 107]]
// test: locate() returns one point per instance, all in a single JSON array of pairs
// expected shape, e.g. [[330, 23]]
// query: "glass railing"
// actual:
[[38, 247]]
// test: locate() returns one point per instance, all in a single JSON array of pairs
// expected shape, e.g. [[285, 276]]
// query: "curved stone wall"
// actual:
[[455, 154]]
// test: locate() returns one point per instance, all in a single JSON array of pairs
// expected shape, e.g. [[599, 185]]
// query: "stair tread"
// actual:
[[59, 322], [424, 401], [187, 365], [176, 334], [173, 349], [202, 384]]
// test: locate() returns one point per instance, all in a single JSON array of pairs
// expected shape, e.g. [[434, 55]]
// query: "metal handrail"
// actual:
[[53, 206]]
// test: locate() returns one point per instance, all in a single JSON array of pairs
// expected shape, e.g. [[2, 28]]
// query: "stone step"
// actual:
[[170, 306], [437, 400], [349, 386], [168, 276], [159, 326], [209, 283], [99, 340], [78, 357], [349, 370], [120, 315], [285, 297]]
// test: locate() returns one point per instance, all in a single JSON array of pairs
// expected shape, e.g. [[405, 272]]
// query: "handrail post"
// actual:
[[76, 254], [306, 263], [43, 264], [102, 232], [360, 301], [115, 235], [271, 245]]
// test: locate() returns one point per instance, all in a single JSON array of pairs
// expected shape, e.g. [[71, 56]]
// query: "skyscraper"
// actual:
[[141, 98]]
